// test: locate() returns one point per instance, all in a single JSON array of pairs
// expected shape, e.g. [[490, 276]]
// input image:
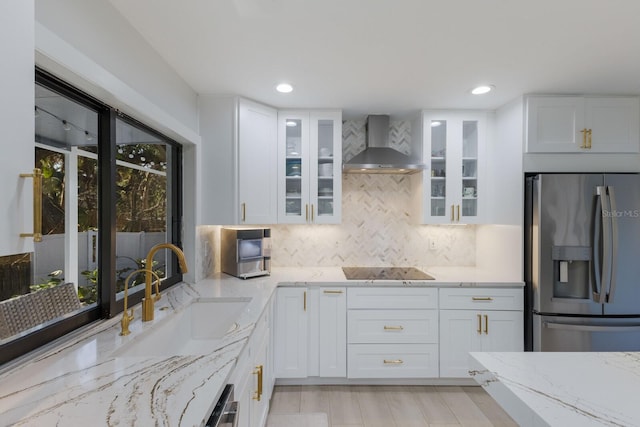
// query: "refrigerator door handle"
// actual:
[[614, 244], [591, 328], [596, 261], [606, 215]]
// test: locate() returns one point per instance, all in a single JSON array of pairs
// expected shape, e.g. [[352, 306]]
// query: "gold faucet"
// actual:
[[147, 301], [126, 317]]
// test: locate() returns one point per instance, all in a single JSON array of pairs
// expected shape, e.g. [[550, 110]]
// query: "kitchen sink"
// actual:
[[195, 330]]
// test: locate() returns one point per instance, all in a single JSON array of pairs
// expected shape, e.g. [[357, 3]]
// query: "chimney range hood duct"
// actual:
[[377, 156]]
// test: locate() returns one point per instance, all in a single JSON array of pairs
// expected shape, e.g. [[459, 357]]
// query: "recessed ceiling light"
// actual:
[[284, 88], [291, 123], [435, 123], [480, 90]]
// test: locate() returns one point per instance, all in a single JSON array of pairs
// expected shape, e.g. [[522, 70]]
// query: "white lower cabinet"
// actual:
[[310, 332], [478, 320], [392, 333], [332, 332], [393, 360], [290, 334], [253, 376]]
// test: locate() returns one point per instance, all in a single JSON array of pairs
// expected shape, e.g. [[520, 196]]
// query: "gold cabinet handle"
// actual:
[[304, 302], [393, 362], [244, 212], [452, 211], [486, 324], [312, 214], [584, 138], [257, 395], [479, 330], [589, 139], [458, 206], [306, 212], [37, 204], [330, 291], [481, 299], [393, 328]]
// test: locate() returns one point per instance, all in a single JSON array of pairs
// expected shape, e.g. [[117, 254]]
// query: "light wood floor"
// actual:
[[391, 406]]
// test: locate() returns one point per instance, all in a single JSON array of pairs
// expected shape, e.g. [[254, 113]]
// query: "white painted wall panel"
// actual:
[[17, 124]]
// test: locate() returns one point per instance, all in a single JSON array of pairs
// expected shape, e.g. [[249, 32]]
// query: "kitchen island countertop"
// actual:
[[563, 389], [77, 380]]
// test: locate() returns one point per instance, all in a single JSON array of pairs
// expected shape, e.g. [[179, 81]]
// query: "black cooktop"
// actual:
[[385, 273]]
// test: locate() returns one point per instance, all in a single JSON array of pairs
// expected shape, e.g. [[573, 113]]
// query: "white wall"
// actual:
[[99, 32], [17, 124]]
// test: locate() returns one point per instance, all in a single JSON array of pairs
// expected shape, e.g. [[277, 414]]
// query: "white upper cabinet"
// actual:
[[16, 120], [309, 167], [573, 124], [453, 188], [238, 162], [257, 159]]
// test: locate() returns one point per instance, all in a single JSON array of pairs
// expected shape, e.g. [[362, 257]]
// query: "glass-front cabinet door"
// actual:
[[326, 178], [438, 187], [293, 138], [310, 158], [453, 142], [470, 168]]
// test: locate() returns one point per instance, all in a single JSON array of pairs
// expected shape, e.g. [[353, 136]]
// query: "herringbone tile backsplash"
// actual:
[[376, 228]]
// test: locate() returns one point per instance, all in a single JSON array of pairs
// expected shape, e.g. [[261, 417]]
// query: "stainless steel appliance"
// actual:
[[225, 413], [378, 155], [385, 273], [245, 252], [582, 250]]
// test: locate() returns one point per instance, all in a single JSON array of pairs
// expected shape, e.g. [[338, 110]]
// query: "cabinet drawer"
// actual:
[[481, 299], [392, 326], [393, 360], [402, 298]]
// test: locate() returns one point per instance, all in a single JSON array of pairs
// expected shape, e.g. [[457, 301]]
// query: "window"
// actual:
[[111, 191]]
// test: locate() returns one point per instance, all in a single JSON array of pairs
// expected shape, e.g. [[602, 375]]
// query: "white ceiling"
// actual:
[[394, 56]]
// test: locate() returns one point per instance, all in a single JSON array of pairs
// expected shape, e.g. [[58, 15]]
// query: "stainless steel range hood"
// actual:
[[377, 156]]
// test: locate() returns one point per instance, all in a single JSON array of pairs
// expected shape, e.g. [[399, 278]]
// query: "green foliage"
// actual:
[[54, 279], [140, 205]]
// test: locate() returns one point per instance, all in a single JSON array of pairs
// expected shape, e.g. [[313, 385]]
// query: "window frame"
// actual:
[[107, 306]]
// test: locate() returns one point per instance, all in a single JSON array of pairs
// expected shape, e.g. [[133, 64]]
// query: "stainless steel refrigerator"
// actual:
[[582, 237]]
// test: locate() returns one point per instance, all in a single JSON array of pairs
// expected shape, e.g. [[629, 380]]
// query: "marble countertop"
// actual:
[[563, 389], [77, 380], [443, 277]]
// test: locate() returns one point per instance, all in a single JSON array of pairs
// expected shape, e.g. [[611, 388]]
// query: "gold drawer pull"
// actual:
[[481, 299], [486, 324], [332, 292], [479, 324], [393, 328], [393, 362]]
